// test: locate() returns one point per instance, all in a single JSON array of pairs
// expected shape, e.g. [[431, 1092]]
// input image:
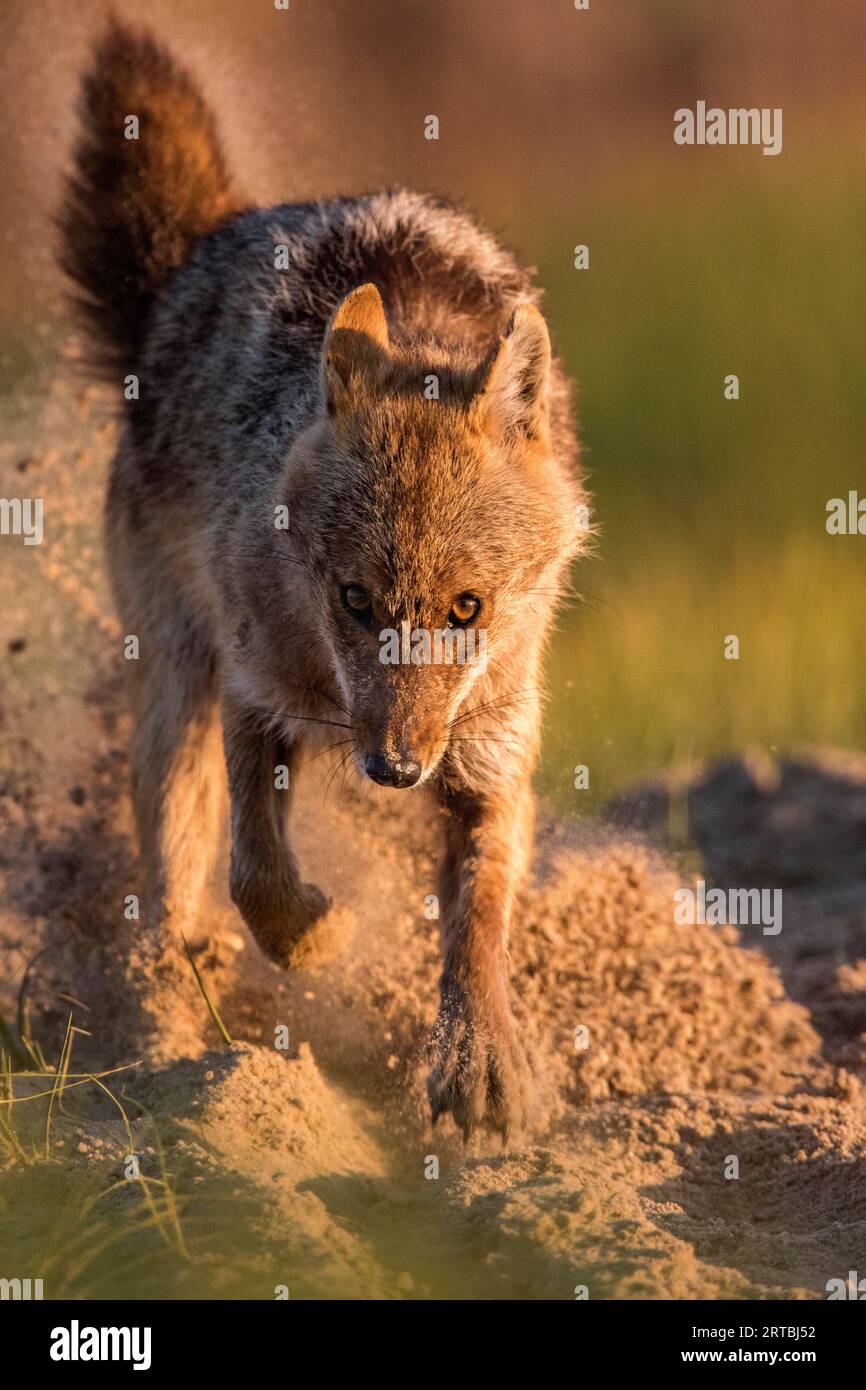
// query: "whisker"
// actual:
[[322, 695], [480, 738], [310, 719], [347, 763], [338, 743], [500, 702], [597, 598], [339, 765]]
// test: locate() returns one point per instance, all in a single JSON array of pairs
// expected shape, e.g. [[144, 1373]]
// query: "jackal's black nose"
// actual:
[[392, 772]]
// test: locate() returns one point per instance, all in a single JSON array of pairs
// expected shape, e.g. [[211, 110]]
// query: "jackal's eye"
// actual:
[[357, 600], [464, 610]]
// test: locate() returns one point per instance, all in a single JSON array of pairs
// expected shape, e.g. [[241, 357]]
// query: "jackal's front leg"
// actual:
[[264, 879], [479, 1071]]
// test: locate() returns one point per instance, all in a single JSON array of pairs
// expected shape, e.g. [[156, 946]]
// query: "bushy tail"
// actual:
[[133, 207]]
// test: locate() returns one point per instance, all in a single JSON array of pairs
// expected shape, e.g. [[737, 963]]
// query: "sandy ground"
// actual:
[[310, 1167]]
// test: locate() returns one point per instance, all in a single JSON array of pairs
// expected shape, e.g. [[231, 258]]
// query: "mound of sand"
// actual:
[[668, 1008]]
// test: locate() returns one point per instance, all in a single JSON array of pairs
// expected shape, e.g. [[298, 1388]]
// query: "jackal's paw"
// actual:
[[479, 1071], [326, 938], [293, 923]]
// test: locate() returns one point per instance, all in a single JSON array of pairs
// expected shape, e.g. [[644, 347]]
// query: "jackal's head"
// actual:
[[434, 524]]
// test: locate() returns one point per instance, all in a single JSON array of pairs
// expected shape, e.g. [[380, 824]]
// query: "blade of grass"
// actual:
[[34, 1053], [7, 1129], [223, 1031], [85, 1077], [18, 1058], [62, 1067]]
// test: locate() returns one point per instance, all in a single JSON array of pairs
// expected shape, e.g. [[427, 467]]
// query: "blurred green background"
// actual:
[[713, 511], [556, 125]]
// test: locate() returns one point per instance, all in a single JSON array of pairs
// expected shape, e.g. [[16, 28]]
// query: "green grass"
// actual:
[[712, 512], [91, 1229], [639, 681]]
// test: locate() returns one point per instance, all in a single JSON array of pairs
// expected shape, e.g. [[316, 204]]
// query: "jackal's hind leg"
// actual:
[[178, 788], [178, 791]]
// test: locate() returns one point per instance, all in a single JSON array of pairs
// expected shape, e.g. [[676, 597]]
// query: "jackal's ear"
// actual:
[[514, 380], [356, 347]]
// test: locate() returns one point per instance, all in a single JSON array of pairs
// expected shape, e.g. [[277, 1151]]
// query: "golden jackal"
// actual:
[[347, 424]]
